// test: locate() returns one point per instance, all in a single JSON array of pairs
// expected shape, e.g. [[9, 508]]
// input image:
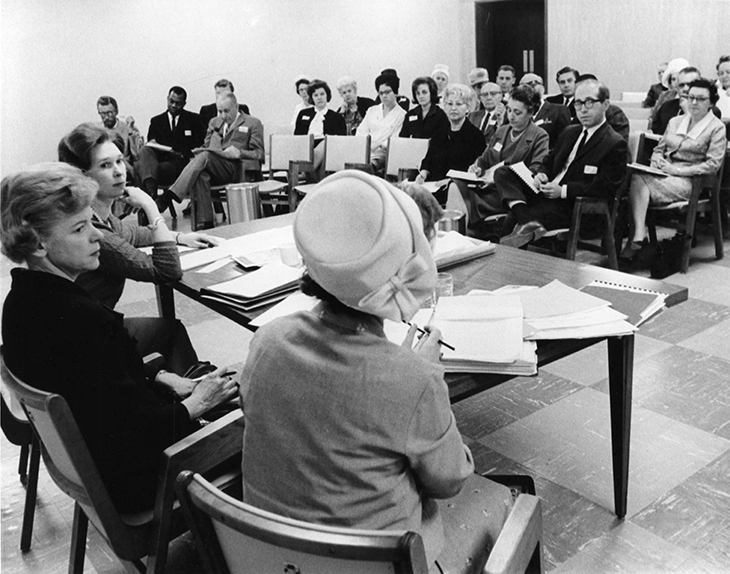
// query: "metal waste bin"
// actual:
[[244, 203]]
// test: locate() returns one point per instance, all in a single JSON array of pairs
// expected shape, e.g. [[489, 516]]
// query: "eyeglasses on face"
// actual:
[[588, 103], [695, 99], [108, 114]]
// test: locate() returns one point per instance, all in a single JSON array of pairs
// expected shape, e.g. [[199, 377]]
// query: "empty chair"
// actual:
[[233, 537], [284, 149], [404, 154]]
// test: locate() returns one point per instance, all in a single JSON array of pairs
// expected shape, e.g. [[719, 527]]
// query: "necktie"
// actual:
[[174, 123], [485, 122], [582, 141], [225, 129]]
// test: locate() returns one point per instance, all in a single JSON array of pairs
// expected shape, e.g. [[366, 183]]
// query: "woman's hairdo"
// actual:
[[432, 88], [319, 84], [388, 80], [527, 95], [34, 199], [462, 92], [77, 146], [708, 85]]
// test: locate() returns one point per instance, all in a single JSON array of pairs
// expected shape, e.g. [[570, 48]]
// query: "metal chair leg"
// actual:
[[78, 541], [30, 495], [23, 464]]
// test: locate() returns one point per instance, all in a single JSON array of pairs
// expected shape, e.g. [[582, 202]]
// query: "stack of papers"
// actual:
[[638, 304], [486, 333], [452, 248], [259, 288]]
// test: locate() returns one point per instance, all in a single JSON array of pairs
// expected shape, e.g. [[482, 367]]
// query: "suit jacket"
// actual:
[[669, 110], [60, 339], [246, 134], [334, 123], [560, 100], [532, 148], [189, 132], [416, 126], [597, 170], [210, 111], [553, 118], [488, 131]]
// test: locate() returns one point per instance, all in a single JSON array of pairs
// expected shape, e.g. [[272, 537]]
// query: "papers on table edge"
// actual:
[[638, 304]]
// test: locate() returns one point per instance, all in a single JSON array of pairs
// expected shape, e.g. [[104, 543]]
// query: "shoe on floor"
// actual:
[[632, 249], [523, 234]]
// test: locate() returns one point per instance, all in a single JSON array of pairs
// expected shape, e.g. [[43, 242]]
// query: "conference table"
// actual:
[[506, 266]]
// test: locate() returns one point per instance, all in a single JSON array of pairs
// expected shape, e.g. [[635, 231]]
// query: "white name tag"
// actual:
[[243, 129], [497, 146], [306, 118], [188, 132], [412, 118], [539, 122], [590, 170]]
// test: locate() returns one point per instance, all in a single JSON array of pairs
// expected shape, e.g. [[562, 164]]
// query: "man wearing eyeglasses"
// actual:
[[674, 108], [588, 160], [108, 111], [553, 118], [492, 113]]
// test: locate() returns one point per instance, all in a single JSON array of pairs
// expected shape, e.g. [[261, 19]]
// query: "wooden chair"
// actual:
[[608, 211], [284, 149], [338, 151], [697, 203], [19, 432], [404, 153], [69, 463], [233, 537]]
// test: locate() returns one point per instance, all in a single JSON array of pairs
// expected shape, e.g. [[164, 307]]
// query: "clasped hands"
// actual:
[[548, 188]]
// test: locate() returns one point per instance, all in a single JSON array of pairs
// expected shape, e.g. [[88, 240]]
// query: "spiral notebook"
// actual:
[[636, 303]]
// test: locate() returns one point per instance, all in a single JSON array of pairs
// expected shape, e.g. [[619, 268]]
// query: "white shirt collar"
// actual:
[[594, 129], [697, 129]]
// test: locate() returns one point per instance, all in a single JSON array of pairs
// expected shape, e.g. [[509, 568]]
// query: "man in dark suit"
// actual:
[[231, 136], [208, 112], [176, 128], [566, 78], [492, 113], [553, 118], [588, 160]]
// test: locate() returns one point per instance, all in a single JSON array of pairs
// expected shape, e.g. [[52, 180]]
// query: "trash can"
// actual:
[[244, 203]]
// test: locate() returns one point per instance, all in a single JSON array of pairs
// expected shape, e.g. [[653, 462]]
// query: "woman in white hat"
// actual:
[[343, 427]]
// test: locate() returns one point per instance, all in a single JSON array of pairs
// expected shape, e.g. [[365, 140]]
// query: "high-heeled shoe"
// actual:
[[632, 249]]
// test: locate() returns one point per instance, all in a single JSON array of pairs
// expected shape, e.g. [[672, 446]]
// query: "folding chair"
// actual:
[[284, 149], [404, 154]]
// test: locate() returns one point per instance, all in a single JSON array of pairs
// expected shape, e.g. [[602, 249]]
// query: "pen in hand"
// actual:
[[422, 332]]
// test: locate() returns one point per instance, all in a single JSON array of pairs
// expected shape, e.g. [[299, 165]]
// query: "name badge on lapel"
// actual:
[[539, 122], [188, 132], [497, 146], [590, 170], [243, 129], [412, 118], [305, 118]]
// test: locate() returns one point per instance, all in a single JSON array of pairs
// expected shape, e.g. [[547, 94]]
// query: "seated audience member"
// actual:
[[441, 76], [301, 83], [669, 81], [58, 338], [492, 113], [566, 79], [678, 106], [427, 118], [177, 128], [506, 77], [232, 136], [477, 78], [98, 152], [382, 120], [458, 146], [319, 120], [694, 144], [208, 112], [655, 90], [615, 116], [365, 436], [403, 101], [107, 108], [553, 118], [353, 107], [519, 141], [588, 160], [723, 87]]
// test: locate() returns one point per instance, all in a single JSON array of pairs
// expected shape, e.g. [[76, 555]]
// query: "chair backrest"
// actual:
[[647, 143], [340, 150], [234, 537], [405, 153], [65, 454], [286, 148]]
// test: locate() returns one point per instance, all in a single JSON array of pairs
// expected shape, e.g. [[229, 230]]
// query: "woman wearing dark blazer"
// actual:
[[519, 141], [319, 120], [427, 118]]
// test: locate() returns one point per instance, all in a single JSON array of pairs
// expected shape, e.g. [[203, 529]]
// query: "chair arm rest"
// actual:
[[520, 536]]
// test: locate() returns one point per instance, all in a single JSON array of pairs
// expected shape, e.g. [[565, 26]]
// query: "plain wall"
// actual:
[[59, 57], [64, 55]]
